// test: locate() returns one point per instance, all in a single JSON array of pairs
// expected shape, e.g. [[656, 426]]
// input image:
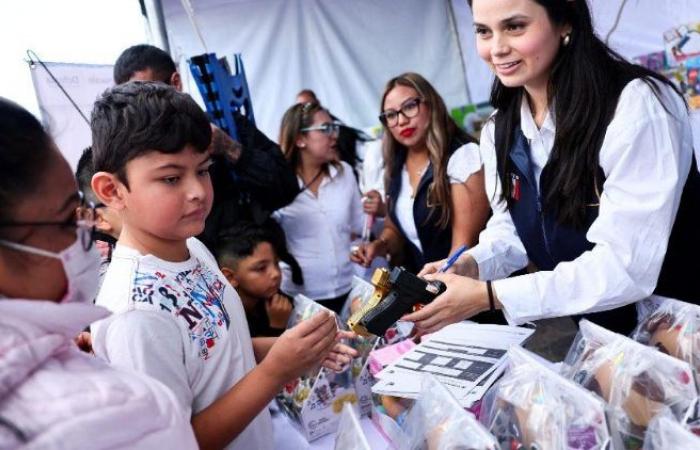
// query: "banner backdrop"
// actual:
[[84, 83]]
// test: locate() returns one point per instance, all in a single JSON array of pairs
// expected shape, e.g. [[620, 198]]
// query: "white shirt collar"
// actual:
[[527, 122]]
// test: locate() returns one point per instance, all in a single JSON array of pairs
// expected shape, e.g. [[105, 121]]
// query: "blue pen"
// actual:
[[453, 259]]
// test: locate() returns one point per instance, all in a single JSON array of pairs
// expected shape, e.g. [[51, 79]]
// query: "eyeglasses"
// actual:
[[328, 128], [409, 108], [84, 219]]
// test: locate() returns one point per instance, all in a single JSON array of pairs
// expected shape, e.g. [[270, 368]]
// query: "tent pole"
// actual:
[[453, 22], [156, 22]]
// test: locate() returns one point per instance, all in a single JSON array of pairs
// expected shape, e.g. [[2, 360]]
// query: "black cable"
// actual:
[[19, 434], [313, 180], [60, 86]]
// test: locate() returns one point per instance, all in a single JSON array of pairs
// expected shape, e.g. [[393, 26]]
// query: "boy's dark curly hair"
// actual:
[[135, 118]]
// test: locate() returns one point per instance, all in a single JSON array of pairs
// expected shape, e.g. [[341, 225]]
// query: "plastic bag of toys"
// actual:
[[665, 433], [636, 381], [532, 407], [350, 435], [315, 401], [673, 328], [360, 293], [436, 421]]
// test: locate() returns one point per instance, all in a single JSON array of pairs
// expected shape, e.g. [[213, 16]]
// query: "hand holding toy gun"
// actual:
[[395, 294]]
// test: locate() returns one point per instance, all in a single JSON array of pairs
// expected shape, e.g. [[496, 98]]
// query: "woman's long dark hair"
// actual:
[[585, 84]]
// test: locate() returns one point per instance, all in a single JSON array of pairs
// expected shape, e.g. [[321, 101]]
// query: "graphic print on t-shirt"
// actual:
[[193, 296]]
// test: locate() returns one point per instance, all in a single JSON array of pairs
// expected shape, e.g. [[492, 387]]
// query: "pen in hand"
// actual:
[[453, 258]]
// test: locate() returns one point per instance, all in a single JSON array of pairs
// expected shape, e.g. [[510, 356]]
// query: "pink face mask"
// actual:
[[82, 268]]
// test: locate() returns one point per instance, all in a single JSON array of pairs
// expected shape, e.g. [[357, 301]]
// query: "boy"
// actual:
[[176, 317], [247, 258]]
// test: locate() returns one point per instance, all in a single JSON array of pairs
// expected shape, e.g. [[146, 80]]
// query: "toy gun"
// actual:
[[395, 294]]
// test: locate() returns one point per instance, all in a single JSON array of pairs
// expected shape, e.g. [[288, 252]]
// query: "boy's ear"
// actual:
[[230, 276], [176, 81], [109, 190]]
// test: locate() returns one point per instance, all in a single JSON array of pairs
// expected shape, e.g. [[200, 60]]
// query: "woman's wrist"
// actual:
[[383, 242]]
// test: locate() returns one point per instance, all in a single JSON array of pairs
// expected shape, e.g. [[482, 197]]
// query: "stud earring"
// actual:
[[566, 40]]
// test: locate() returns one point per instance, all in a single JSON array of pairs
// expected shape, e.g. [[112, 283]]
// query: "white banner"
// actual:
[[84, 83]]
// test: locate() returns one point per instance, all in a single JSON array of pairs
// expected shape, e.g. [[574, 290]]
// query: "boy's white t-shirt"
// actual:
[[183, 324]]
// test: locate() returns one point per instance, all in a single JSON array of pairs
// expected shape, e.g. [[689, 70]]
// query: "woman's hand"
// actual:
[[364, 253], [373, 204], [466, 266], [464, 298]]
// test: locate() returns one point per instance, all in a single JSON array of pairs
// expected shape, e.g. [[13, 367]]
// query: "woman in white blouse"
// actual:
[[321, 221], [587, 165], [433, 176]]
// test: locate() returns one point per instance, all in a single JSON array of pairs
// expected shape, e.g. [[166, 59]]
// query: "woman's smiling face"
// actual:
[[517, 40]]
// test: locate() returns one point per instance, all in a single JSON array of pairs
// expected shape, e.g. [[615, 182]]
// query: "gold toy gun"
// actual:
[[395, 294]]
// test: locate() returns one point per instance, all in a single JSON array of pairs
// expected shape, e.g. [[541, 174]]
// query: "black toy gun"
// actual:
[[395, 294]]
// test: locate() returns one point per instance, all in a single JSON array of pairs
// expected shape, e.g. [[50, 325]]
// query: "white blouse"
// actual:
[[318, 231], [646, 157], [464, 162]]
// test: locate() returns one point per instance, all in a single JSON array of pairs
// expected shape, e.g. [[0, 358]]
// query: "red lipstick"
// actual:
[[407, 132]]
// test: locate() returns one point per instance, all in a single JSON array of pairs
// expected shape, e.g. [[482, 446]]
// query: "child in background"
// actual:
[[176, 317], [108, 225], [247, 258]]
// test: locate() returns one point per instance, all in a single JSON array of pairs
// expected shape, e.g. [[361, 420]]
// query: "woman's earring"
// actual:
[[567, 40]]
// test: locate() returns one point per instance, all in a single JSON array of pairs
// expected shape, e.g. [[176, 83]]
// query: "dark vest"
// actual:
[[548, 243], [436, 242]]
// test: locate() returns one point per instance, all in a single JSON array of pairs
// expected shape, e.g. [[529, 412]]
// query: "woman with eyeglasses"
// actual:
[[52, 394], [590, 171], [433, 176], [323, 219]]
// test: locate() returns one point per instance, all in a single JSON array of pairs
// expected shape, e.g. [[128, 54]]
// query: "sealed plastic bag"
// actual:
[[296, 392], [436, 421], [350, 435], [533, 407], [315, 400], [360, 293], [665, 433], [674, 329], [638, 382]]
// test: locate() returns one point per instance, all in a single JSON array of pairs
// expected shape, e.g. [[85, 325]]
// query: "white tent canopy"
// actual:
[[344, 50], [347, 50]]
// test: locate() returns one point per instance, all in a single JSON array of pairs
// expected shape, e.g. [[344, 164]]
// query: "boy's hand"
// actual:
[[341, 355], [278, 310], [301, 348]]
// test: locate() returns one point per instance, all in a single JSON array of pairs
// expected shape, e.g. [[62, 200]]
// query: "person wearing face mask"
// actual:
[[433, 176], [590, 172], [322, 219], [51, 394]]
